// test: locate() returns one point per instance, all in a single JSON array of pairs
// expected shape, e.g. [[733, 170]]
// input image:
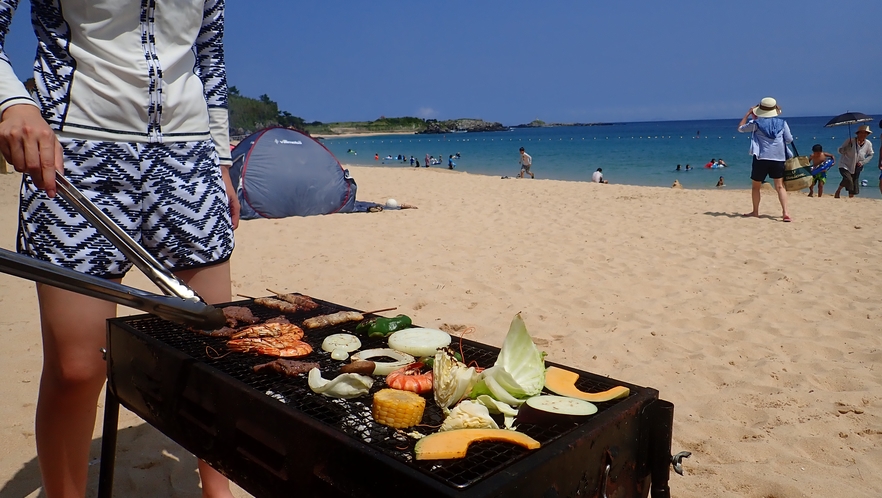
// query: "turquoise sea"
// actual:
[[644, 153]]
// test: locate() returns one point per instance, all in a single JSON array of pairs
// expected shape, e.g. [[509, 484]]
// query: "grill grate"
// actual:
[[352, 417]]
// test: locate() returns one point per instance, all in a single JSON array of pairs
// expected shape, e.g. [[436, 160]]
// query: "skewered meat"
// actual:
[[270, 330], [277, 304], [239, 315], [302, 302], [332, 319], [290, 368]]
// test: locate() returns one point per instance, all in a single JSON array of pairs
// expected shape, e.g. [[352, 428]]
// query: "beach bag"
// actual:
[[797, 171]]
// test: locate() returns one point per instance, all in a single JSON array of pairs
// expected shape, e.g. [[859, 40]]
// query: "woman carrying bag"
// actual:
[[769, 136]]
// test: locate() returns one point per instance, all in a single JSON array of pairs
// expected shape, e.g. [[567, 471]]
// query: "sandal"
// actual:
[[787, 219]]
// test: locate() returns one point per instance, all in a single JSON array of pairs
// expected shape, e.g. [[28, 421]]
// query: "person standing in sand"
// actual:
[[768, 146], [853, 155], [526, 161], [880, 158], [138, 122]]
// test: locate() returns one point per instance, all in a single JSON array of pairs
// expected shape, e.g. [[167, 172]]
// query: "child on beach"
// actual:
[[818, 158], [526, 161]]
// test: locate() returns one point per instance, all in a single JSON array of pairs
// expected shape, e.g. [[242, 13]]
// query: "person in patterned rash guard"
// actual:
[[131, 105]]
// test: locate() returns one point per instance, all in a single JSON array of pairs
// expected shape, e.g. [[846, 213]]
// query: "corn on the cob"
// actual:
[[398, 409]]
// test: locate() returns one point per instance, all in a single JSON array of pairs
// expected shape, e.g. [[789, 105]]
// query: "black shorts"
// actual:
[[169, 197], [766, 167]]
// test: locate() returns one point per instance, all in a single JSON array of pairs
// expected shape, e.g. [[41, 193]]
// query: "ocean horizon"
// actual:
[[638, 153]]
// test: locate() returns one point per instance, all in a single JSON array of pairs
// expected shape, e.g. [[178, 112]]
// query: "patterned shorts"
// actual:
[[169, 197]]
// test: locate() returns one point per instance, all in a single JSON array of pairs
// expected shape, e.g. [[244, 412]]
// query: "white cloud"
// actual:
[[427, 113]]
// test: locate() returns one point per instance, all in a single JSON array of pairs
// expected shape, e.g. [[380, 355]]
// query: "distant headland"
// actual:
[[248, 115]]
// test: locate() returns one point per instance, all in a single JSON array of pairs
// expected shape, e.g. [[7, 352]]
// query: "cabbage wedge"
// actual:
[[519, 371]]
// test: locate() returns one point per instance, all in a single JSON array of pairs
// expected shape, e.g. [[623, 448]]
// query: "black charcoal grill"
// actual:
[[274, 437]]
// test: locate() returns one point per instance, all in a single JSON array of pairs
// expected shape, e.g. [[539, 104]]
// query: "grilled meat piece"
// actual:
[[278, 319], [302, 302], [239, 315], [290, 368], [277, 304], [221, 332], [332, 319]]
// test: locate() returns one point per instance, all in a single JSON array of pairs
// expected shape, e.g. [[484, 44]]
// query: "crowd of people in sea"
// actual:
[[415, 162]]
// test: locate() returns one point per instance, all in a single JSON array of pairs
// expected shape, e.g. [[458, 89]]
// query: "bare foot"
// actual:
[[811, 194], [751, 215]]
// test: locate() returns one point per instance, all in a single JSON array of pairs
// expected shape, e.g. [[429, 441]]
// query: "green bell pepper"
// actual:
[[383, 327]]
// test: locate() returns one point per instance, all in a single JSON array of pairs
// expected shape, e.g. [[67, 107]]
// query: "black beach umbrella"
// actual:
[[848, 118]]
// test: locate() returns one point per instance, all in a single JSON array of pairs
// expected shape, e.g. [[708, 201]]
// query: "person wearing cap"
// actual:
[[768, 146], [526, 161], [853, 155]]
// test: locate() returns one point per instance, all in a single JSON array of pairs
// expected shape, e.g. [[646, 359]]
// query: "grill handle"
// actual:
[[185, 312]]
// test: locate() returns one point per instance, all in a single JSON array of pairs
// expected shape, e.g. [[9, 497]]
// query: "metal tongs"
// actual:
[[183, 306]]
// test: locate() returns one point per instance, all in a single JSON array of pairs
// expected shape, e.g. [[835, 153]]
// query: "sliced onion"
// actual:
[[419, 341], [345, 342], [384, 367]]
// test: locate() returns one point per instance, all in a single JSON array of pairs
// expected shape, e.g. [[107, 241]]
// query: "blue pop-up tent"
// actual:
[[280, 172]]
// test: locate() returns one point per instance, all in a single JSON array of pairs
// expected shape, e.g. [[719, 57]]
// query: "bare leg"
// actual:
[[782, 197], [214, 285], [820, 189], [755, 197], [811, 189], [73, 328]]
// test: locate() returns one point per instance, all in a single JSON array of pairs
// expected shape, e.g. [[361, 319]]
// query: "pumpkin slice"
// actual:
[[454, 444], [563, 382]]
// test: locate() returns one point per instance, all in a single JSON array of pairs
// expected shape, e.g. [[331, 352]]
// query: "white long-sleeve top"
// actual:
[[850, 153], [117, 70]]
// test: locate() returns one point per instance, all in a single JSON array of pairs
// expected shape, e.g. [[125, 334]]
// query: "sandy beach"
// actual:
[[764, 335]]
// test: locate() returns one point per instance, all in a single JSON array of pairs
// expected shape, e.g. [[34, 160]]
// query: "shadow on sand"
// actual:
[[740, 215], [148, 464]]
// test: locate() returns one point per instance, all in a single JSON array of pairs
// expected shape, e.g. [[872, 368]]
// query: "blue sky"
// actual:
[[560, 61]]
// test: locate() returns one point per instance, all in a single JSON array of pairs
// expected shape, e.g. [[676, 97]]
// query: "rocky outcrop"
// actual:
[[461, 125]]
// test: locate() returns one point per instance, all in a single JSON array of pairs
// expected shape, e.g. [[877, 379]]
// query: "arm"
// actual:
[[212, 72], [26, 140], [744, 126], [788, 137], [830, 156], [868, 155]]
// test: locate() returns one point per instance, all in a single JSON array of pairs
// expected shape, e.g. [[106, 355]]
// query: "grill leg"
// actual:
[[108, 444], [660, 448]]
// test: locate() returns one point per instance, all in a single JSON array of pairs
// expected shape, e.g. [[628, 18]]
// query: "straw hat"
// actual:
[[767, 108], [865, 128]]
